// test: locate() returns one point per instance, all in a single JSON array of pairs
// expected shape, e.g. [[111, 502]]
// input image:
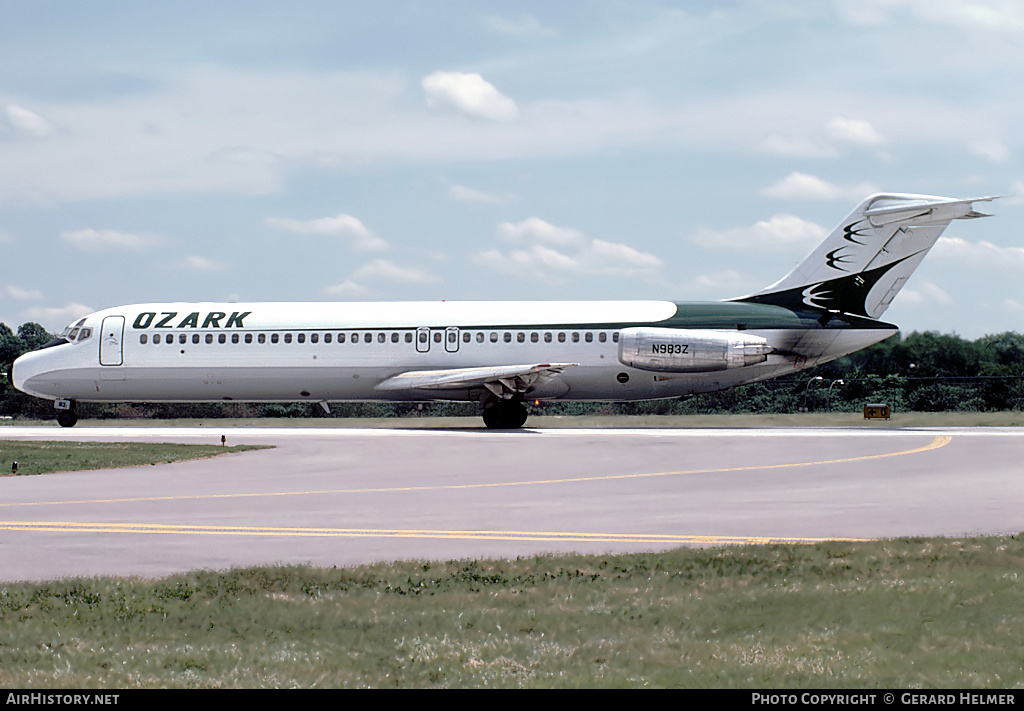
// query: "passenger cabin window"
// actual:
[[143, 339], [209, 338], [287, 338], [561, 337], [602, 336], [273, 338], [301, 338]]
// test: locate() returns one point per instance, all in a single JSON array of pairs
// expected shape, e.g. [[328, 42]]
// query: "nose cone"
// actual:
[[33, 373], [16, 374]]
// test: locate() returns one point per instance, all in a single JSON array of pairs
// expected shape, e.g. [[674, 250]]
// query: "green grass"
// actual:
[[46, 457], [929, 613]]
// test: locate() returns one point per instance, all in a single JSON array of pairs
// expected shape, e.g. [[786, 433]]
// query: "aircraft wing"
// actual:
[[502, 380]]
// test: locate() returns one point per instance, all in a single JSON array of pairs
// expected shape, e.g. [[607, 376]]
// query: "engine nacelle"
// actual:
[[671, 350]]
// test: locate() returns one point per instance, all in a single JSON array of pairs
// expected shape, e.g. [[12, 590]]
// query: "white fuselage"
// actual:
[[321, 352]]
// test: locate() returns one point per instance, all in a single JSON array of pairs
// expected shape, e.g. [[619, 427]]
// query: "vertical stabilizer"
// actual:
[[864, 263]]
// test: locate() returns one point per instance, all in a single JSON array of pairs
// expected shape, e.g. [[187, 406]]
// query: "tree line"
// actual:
[[924, 372]]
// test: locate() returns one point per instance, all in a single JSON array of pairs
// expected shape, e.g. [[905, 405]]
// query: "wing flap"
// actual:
[[502, 380]]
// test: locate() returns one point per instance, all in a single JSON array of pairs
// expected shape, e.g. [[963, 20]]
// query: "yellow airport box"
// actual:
[[876, 411]]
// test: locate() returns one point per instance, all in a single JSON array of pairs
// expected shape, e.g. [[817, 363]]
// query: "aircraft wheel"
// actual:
[[505, 416], [67, 418]]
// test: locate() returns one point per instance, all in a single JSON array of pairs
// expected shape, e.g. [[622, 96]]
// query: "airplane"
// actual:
[[498, 353]]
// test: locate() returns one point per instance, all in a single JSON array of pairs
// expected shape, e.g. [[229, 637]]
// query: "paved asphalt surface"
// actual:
[[348, 496]]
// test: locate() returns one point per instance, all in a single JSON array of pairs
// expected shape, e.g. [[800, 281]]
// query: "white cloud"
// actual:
[[1000, 15], [925, 293], [468, 94], [380, 270], [202, 264], [809, 187], [20, 294], [347, 288], [464, 194], [525, 25], [27, 122], [539, 231], [797, 147], [779, 233], [616, 258], [109, 239], [1016, 193], [265, 125], [978, 254], [991, 150], [718, 284], [56, 317], [856, 131], [346, 226], [576, 254], [386, 270]]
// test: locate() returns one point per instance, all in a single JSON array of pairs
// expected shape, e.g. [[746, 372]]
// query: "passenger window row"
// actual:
[[380, 337]]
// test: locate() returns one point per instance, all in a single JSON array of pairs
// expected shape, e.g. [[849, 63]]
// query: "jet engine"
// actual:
[[671, 350]]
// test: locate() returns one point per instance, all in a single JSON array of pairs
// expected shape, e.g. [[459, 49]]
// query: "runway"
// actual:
[[347, 496]]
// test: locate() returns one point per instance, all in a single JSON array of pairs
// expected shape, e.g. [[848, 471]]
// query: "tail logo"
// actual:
[[851, 229], [835, 258]]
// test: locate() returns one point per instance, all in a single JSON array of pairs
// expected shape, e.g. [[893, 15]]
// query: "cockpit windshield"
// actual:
[[76, 332]]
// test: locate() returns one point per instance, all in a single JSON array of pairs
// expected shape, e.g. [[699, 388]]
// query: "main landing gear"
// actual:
[[66, 415], [505, 415]]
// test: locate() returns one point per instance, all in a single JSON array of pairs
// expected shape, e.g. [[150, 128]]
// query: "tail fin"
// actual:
[[864, 263]]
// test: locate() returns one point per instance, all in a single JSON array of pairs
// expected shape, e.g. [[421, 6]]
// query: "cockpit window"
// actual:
[[75, 333]]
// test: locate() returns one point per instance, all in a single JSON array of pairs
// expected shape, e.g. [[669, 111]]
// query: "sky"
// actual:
[[476, 150]]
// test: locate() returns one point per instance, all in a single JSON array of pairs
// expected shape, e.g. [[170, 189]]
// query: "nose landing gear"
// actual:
[[66, 415]]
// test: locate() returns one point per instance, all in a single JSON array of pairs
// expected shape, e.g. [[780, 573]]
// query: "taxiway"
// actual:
[[349, 496]]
